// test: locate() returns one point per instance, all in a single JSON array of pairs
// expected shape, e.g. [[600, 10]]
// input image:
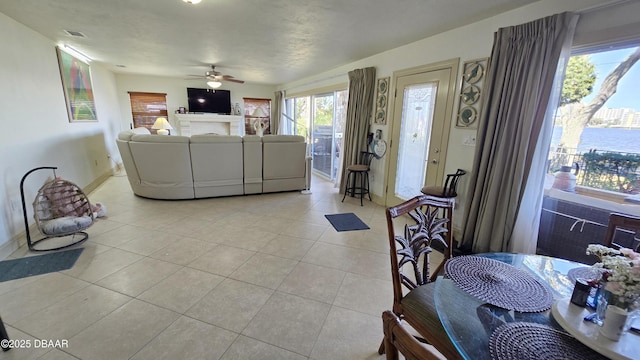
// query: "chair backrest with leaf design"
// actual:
[[415, 227]]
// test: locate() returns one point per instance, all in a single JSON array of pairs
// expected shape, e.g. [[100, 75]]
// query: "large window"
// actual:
[[320, 118], [597, 128], [594, 159]]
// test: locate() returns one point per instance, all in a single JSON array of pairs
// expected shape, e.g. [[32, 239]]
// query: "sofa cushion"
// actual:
[[282, 138], [159, 138], [199, 139]]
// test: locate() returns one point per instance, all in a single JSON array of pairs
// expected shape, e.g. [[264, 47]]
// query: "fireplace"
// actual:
[[194, 124]]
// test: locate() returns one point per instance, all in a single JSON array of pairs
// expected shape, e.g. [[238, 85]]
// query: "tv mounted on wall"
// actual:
[[209, 101]]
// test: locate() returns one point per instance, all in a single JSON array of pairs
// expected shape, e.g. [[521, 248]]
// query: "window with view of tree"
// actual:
[[597, 127], [146, 108], [598, 121]]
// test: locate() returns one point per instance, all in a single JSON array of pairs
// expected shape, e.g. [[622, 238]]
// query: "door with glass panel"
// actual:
[[422, 117]]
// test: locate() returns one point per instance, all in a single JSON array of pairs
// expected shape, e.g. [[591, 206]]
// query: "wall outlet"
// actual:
[[469, 140]]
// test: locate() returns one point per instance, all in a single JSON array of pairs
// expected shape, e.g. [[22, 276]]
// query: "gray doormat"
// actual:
[[346, 222], [37, 265]]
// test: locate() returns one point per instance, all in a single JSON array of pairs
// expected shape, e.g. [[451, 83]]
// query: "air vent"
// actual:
[[74, 33]]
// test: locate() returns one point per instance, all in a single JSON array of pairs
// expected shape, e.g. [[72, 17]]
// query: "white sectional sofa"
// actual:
[[202, 166]]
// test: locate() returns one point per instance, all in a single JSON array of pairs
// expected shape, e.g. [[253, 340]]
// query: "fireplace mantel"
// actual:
[[193, 124]]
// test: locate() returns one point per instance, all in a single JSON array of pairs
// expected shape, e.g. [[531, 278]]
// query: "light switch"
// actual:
[[469, 140]]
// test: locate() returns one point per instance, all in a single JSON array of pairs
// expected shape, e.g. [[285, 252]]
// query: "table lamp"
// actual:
[[162, 125]]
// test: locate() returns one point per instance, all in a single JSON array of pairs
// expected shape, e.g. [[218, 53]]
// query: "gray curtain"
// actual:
[[359, 107], [523, 65], [276, 112]]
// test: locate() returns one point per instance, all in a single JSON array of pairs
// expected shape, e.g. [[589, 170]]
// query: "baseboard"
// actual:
[[99, 180], [8, 248]]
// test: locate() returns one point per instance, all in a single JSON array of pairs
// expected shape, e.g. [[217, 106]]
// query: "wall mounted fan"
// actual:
[[214, 78]]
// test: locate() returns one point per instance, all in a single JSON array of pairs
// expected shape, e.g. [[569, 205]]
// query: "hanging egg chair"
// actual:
[[61, 211]]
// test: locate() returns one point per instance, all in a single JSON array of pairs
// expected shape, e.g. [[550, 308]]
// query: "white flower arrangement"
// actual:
[[622, 271]]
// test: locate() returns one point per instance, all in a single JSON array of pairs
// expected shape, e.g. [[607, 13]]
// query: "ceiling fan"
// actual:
[[214, 78]]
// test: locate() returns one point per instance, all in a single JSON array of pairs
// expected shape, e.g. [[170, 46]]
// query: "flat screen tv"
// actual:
[[209, 101]]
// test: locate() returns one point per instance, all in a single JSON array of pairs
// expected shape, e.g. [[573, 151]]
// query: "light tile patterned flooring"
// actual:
[[244, 277]]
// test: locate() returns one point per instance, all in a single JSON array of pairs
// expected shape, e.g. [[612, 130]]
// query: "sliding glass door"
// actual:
[[320, 118]]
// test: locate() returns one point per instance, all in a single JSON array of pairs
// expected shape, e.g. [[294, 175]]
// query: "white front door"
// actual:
[[423, 108]]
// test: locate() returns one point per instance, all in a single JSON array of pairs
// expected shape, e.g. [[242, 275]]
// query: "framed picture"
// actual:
[[382, 90], [473, 74], [76, 84]]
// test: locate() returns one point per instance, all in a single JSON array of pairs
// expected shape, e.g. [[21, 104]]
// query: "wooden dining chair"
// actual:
[[623, 222], [414, 227], [397, 338]]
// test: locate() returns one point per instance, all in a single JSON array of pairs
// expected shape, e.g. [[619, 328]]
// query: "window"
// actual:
[[252, 114], [147, 107], [594, 159], [598, 123]]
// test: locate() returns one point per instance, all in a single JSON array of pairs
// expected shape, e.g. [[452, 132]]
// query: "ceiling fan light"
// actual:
[[192, 1], [214, 84]]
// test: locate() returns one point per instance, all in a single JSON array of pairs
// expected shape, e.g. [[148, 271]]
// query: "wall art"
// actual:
[[76, 84], [382, 97], [473, 75]]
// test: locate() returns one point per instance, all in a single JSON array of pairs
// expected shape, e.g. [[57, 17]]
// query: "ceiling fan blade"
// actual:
[[232, 79]]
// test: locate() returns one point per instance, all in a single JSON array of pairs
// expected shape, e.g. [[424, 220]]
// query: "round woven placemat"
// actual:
[[499, 284], [586, 272], [524, 341]]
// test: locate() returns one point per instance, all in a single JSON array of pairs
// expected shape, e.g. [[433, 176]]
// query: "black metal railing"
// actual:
[[606, 170]]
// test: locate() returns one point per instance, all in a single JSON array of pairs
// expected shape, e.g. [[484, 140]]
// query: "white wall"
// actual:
[[35, 127], [176, 90], [469, 42]]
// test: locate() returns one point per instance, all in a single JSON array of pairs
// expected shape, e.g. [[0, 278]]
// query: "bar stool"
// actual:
[[449, 188], [361, 169]]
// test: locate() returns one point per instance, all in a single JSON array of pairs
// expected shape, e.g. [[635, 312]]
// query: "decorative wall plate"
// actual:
[[468, 116], [382, 101], [380, 116], [470, 94], [473, 73], [383, 85]]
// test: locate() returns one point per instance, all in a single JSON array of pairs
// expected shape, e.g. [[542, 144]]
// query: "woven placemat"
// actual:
[[499, 284], [524, 341], [585, 272]]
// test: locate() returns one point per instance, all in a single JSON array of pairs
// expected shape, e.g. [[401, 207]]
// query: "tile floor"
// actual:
[[244, 277]]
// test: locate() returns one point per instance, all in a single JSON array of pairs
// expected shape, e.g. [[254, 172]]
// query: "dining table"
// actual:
[[469, 322]]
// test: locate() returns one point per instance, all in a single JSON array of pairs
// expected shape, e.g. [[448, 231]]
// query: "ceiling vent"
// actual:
[[74, 33]]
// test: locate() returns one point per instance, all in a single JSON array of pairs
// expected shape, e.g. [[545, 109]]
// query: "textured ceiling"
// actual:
[[260, 41]]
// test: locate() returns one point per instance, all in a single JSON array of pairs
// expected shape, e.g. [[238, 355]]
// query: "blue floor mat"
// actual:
[[37, 265]]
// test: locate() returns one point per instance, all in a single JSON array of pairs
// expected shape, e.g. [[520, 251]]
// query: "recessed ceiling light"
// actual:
[[192, 1]]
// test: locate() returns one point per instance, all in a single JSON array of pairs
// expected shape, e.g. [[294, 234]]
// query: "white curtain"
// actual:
[[525, 231]]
